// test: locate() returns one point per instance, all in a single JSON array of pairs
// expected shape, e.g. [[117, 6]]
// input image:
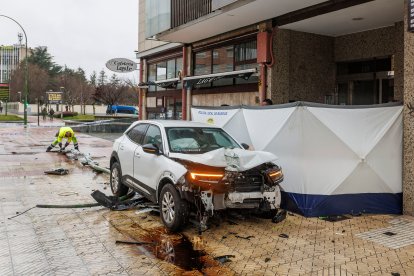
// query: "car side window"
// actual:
[[137, 133], [153, 136]]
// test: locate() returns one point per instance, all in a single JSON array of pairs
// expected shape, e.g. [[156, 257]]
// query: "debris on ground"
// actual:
[[60, 171], [224, 258], [133, 242], [280, 216], [147, 210], [68, 193], [335, 218], [232, 222], [244, 238], [114, 203], [267, 260], [285, 236]]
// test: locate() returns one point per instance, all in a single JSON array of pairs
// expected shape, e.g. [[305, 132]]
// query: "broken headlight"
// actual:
[[274, 175], [206, 177]]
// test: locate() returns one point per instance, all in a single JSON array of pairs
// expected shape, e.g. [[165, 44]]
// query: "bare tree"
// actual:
[[38, 83]]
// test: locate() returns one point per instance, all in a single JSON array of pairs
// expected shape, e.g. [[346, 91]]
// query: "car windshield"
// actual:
[[198, 140]]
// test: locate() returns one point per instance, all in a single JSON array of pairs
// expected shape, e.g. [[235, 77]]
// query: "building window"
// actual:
[[164, 70], [158, 17], [226, 59]]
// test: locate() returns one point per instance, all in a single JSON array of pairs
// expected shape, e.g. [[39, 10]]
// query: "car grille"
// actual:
[[248, 183]]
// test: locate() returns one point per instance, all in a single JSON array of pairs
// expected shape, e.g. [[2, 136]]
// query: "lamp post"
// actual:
[[26, 70]]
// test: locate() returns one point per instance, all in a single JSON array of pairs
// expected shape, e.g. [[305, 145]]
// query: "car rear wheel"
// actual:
[[174, 210], [117, 187]]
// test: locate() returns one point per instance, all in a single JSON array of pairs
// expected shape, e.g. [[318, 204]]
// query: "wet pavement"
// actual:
[[97, 241]]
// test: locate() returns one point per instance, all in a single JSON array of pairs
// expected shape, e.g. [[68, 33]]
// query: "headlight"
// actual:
[[206, 177], [275, 175]]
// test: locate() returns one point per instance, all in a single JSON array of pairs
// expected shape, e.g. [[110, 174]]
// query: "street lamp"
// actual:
[[26, 71]]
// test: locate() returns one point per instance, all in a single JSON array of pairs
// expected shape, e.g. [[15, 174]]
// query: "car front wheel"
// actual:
[[117, 187], [173, 208]]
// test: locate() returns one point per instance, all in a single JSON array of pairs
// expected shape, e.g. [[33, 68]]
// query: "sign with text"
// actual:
[[410, 16], [54, 97], [4, 91], [121, 65]]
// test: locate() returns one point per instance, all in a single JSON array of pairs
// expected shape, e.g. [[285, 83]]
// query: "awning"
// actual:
[[170, 83], [203, 79], [199, 80]]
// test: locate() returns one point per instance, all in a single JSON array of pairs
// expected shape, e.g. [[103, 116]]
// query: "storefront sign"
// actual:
[[4, 91], [121, 65], [411, 16], [54, 97]]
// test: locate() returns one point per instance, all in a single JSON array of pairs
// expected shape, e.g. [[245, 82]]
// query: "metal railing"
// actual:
[[184, 11]]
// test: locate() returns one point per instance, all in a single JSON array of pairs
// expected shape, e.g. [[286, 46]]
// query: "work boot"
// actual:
[[49, 148]]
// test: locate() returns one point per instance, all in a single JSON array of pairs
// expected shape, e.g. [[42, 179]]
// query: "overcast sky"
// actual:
[[78, 33]]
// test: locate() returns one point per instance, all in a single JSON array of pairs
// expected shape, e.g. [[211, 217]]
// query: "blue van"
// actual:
[[124, 109]]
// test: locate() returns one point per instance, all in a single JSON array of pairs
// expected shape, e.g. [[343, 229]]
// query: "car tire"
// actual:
[[173, 209], [117, 187]]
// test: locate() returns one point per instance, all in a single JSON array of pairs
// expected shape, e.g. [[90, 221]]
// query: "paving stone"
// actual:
[[82, 241]]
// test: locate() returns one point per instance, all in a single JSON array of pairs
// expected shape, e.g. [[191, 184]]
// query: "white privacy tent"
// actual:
[[336, 159]]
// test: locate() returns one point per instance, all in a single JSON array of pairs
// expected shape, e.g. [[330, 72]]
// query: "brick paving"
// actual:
[[82, 241]]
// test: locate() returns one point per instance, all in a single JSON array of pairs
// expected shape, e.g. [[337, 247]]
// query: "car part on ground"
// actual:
[[114, 203], [60, 171]]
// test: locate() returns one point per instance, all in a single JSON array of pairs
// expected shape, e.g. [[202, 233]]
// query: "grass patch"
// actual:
[[81, 118], [10, 118]]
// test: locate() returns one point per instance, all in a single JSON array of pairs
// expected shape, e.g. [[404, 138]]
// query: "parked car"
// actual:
[[125, 109], [187, 166]]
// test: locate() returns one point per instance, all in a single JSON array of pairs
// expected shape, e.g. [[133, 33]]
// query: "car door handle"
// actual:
[[121, 147], [137, 154]]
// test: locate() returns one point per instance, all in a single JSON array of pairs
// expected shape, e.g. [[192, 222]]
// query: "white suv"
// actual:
[[187, 166]]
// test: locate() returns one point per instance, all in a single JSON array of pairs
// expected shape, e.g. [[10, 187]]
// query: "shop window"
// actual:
[[223, 62], [226, 59], [164, 70], [152, 76], [179, 68]]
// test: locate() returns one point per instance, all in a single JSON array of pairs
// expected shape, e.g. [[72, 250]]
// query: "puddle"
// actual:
[[173, 248], [187, 254]]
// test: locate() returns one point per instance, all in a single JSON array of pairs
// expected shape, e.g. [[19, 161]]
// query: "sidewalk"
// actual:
[[83, 241]]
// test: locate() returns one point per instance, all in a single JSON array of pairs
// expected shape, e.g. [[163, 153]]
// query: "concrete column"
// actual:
[[279, 73], [408, 140], [144, 90]]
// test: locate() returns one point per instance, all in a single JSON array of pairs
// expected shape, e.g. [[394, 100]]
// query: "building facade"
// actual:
[[215, 52], [10, 58]]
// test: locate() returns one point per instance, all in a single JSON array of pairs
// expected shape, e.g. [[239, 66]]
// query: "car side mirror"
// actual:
[[245, 146], [152, 149]]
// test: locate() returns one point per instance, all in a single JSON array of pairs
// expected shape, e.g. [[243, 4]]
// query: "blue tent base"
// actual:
[[330, 205]]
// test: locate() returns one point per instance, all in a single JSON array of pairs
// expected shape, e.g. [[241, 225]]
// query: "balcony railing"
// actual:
[[183, 11]]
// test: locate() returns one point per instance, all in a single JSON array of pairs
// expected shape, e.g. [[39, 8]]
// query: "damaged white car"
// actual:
[[188, 167]]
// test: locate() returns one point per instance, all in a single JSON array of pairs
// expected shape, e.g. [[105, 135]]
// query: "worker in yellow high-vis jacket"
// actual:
[[64, 132]]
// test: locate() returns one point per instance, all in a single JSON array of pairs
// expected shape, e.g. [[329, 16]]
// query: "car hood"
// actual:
[[231, 159]]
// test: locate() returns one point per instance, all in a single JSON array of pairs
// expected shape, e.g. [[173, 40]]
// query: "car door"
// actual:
[[128, 147], [150, 167]]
